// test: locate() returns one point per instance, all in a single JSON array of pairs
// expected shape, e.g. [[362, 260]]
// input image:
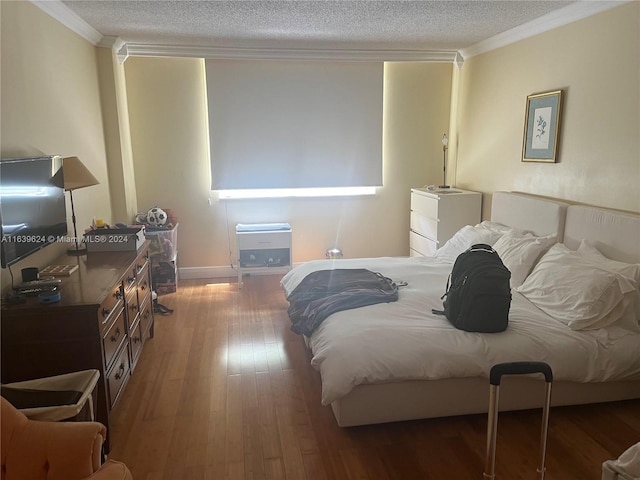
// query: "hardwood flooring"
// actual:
[[225, 391]]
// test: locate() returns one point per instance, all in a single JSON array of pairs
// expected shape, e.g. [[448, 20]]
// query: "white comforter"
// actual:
[[403, 340]]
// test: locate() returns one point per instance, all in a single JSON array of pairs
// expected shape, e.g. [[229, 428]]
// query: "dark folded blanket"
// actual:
[[324, 292]]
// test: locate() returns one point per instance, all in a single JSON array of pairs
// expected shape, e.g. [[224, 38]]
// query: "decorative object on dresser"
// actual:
[[76, 175], [102, 322], [263, 246], [436, 215], [58, 270]]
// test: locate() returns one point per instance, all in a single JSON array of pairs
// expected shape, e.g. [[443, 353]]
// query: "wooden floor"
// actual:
[[225, 391]]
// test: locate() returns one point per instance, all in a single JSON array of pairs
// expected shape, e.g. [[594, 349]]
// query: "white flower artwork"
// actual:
[[542, 124]]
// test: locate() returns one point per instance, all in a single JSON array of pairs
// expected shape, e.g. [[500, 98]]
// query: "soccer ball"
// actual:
[[156, 217]]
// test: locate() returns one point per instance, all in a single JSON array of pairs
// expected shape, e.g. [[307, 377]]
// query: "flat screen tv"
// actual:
[[32, 205]]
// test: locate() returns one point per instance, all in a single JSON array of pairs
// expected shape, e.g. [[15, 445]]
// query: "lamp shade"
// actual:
[[76, 175]]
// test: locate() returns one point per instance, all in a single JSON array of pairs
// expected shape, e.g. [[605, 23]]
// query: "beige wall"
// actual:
[[115, 114], [51, 105], [597, 62], [170, 147]]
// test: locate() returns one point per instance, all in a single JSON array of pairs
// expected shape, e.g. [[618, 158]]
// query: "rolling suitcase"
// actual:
[[495, 375]]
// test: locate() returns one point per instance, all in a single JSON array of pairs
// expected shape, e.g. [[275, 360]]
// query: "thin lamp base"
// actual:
[[77, 251]]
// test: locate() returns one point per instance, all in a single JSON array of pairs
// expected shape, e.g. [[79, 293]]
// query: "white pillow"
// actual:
[[463, 239], [575, 291], [630, 270], [630, 318], [519, 253], [494, 227], [500, 228]]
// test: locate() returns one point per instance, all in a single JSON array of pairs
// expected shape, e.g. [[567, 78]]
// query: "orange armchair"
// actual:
[[38, 450]]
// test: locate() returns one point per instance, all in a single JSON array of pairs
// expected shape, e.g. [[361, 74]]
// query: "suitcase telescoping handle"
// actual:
[[519, 368], [495, 375]]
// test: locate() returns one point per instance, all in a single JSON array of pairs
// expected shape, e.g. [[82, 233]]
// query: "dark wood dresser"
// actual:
[[103, 320]]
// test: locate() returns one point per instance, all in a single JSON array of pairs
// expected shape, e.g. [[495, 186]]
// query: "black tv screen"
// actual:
[[32, 205]]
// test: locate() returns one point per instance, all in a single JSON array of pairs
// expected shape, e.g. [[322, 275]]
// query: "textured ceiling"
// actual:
[[424, 25]]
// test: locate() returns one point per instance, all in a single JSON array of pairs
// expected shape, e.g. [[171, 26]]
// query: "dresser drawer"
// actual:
[[130, 278], [263, 240], [144, 284], [427, 227], [142, 262], [111, 304], [135, 340], [133, 307], [425, 206], [423, 245], [118, 375], [115, 336], [146, 316]]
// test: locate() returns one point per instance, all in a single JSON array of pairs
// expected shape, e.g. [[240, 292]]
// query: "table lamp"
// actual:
[[445, 142], [76, 175]]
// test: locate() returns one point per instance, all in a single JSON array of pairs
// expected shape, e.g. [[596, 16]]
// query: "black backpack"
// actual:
[[478, 295]]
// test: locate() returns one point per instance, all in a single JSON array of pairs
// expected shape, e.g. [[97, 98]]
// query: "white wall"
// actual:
[[597, 62]]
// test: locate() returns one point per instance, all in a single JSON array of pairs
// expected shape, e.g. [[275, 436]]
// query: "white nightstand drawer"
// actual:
[[424, 205], [264, 240], [427, 227], [422, 245]]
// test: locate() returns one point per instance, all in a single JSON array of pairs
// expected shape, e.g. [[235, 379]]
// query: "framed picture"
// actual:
[[542, 127]]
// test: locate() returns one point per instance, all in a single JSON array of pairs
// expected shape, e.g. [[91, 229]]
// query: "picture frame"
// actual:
[[542, 127]]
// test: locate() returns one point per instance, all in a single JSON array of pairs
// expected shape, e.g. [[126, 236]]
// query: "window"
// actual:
[[277, 124]]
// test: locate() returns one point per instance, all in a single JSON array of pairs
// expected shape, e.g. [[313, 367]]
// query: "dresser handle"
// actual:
[[136, 339], [106, 312], [134, 307], [118, 294], [114, 338], [118, 375], [131, 280]]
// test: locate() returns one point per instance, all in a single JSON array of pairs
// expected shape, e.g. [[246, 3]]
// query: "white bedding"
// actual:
[[403, 340]]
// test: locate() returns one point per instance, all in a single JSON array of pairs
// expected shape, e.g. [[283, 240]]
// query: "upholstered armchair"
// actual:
[[38, 450]]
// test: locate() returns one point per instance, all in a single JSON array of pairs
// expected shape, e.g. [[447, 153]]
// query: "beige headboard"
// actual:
[[535, 214], [615, 234]]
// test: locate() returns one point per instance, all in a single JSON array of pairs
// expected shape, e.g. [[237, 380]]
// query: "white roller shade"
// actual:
[[294, 124]]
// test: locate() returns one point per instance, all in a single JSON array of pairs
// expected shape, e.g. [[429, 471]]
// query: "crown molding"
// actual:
[[146, 50], [564, 16], [69, 19]]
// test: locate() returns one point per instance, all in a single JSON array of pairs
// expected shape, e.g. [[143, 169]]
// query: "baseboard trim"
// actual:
[[188, 273]]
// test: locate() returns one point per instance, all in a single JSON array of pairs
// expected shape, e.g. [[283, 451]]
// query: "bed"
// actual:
[[397, 361]]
